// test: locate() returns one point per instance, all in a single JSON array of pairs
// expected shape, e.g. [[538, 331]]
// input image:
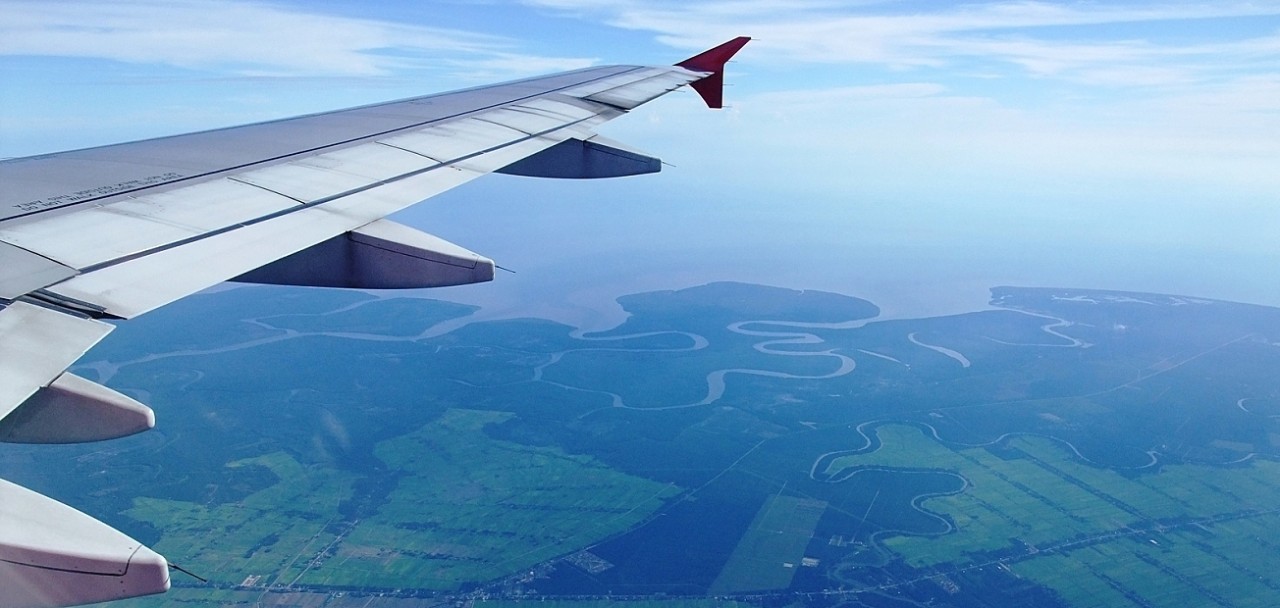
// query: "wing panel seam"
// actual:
[[232, 178], [415, 152], [498, 124], [338, 144], [320, 201]]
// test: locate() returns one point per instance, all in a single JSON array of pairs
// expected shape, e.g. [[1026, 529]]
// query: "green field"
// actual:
[[255, 598], [272, 533], [1228, 563], [470, 508], [466, 508], [772, 548], [654, 603], [1186, 536]]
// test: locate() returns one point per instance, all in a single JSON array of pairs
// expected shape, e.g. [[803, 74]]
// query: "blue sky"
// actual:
[[907, 151]]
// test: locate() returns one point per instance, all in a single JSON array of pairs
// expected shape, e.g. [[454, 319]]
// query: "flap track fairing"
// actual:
[[594, 157], [380, 255], [53, 555], [74, 410]]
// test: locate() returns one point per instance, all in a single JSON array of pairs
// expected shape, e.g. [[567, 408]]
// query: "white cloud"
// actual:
[[1107, 103], [1003, 33], [250, 38]]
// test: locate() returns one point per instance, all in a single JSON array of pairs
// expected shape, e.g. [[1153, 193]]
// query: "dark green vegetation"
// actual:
[[726, 445], [772, 548]]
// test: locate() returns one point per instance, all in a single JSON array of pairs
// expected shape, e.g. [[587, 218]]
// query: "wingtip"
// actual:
[[712, 60]]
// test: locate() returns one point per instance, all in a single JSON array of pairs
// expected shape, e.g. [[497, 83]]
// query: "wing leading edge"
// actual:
[[116, 231]]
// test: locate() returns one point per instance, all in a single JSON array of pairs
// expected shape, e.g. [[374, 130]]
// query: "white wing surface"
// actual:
[[116, 231]]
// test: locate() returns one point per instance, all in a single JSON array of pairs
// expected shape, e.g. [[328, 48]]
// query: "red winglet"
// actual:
[[711, 88]]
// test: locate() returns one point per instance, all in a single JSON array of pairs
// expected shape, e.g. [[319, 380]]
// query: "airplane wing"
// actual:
[[116, 231]]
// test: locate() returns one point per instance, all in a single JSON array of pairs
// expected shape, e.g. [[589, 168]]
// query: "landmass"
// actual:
[[728, 445]]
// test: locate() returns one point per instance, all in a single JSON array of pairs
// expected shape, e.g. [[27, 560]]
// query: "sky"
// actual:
[[913, 153]]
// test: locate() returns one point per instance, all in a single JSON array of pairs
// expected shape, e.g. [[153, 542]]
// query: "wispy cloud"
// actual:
[[1043, 39], [251, 39]]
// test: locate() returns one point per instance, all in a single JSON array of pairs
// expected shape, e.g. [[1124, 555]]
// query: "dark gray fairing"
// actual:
[[584, 159], [382, 255]]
